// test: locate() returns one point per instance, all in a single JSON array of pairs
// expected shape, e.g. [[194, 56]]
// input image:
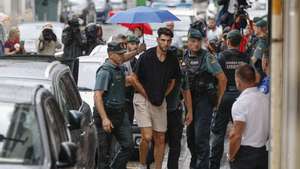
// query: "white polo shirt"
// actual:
[[252, 107]]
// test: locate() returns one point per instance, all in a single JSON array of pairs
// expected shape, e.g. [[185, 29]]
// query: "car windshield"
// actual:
[[29, 31], [20, 138]]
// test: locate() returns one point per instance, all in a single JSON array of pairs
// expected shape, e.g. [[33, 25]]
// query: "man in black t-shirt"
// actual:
[[156, 70]]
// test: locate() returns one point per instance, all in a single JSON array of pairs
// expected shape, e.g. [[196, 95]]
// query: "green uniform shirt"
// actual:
[[212, 65], [261, 46], [202, 62], [111, 79]]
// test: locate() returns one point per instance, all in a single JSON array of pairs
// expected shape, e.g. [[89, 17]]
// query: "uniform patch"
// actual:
[[213, 59], [194, 62]]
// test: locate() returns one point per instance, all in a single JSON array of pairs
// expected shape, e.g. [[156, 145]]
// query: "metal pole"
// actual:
[[276, 84], [291, 116]]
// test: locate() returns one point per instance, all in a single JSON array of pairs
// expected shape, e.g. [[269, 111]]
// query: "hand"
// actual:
[[142, 47], [229, 158], [216, 109], [107, 125], [17, 47], [189, 118]]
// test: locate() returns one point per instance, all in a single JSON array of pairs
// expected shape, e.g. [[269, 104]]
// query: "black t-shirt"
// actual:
[[229, 60], [155, 75]]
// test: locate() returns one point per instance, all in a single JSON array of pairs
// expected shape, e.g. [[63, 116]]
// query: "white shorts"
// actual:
[[148, 115]]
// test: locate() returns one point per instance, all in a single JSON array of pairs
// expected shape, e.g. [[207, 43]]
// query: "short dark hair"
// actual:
[[165, 31], [234, 42], [246, 73]]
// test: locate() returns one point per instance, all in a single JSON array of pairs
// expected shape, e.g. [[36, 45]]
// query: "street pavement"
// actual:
[[185, 157]]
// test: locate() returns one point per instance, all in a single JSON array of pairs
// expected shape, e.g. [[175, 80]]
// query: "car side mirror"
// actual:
[[67, 155], [75, 119]]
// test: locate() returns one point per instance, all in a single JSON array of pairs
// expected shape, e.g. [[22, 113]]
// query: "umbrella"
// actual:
[[146, 28], [143, 14]]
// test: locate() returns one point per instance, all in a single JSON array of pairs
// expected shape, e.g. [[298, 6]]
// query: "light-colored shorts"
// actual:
[[148, 115]]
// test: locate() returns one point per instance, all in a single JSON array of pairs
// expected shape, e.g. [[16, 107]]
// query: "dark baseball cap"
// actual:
[[116, 47], [194, 33], [262, 23], [234, 36], [256, 19], [132, 38]]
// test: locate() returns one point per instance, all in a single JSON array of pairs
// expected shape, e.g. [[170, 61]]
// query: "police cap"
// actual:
[[115, 47], [234, 36], [194, 33], [262, 23], [256, 19], [132, 38]]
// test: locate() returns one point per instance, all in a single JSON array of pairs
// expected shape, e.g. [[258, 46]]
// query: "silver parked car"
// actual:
[[33, 132], [56, 77]]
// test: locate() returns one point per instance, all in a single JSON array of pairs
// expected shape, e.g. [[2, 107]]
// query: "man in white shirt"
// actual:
[[251, 124], [177, 42], [213, 31]]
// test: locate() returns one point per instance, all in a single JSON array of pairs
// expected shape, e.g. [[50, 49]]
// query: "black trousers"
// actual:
[[219, 127], [250, 158], [174, 135]]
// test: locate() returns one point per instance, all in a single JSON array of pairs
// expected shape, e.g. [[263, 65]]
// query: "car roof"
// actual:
[[27, 69], [17, 93]]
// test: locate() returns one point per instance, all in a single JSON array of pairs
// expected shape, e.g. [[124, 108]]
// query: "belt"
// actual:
[[253, 148]]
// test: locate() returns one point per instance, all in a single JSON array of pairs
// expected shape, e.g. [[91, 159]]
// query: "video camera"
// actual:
[[201, 26], [242, 14]]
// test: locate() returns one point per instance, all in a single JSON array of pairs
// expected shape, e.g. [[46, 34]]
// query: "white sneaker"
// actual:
[[143, 166]]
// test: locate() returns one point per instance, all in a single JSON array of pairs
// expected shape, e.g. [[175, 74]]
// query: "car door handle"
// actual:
[[83, 134]]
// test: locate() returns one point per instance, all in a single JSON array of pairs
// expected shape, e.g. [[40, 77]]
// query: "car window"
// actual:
[[55, 124], [20, 135], [69, 93]]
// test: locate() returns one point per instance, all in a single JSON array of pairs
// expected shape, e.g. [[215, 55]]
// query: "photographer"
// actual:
[[13, 45], [48, 42], [226, 15], [94, 37], [74, 41], [213, 31]]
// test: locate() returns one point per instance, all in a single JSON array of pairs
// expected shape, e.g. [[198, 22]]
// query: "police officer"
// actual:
[[203, 70], [93, 31], [132, 45], [229, 60], [262, 43], [110, 117], [253, 39], [175, 113]]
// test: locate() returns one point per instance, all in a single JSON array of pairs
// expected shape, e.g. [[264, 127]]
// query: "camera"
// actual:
[[242, 14], [49, 35], [74, 23], [214, 45], [199, 25]]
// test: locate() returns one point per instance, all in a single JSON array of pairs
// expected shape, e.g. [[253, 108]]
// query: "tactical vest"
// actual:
[[201, 82], [114, 97], [232, 59]]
